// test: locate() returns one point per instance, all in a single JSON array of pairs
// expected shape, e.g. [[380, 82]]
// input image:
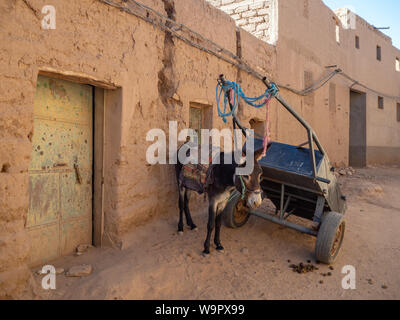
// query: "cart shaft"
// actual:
[[284, 223]]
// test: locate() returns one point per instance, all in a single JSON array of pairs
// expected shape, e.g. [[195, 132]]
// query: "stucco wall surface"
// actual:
[[156, 76], [151, 78]]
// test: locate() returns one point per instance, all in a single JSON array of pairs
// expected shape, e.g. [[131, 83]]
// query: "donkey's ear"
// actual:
[[242, 160], [259, 153]]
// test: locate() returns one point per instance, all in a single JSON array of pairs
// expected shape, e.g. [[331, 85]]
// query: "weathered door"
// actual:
[[358, 130], [60, 173]]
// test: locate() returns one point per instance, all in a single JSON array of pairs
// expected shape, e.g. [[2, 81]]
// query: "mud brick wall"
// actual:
[[254, 16], [157, 78]]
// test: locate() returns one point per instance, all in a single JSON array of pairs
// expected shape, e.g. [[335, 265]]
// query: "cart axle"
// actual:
[[284, 223]]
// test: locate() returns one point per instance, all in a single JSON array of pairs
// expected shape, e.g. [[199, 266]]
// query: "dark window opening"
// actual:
[[357, 42], [398, 112], [397, 64], [332, 97], [337, 32], [380, 103], [308, 82], [200, 117], [379, 53], [258, 126]]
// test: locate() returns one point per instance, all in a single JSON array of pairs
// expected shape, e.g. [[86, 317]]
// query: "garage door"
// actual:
[[60, 173]]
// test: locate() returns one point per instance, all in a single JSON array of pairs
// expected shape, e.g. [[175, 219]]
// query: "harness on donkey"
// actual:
[[198, 177]]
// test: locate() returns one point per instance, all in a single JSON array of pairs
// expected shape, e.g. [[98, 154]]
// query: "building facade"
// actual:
[[78, 100], [311, 40]]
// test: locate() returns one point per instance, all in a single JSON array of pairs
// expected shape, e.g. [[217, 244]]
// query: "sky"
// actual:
[[380, 13]]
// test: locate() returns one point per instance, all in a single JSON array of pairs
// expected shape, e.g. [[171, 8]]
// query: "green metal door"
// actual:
[[60, 173]]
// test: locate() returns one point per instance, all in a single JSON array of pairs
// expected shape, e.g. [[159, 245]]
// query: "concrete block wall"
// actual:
[[254, 16]]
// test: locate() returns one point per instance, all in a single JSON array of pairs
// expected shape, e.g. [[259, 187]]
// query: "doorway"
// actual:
[[61, 169], [358, 129]]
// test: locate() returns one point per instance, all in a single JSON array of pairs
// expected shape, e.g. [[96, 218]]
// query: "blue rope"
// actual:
[[238, 93]]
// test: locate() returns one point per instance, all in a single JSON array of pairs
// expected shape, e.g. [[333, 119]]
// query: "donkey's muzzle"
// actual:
[[254, 199]]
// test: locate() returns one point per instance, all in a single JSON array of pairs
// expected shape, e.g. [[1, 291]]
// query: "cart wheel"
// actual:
[[235, 214], [330, 237]]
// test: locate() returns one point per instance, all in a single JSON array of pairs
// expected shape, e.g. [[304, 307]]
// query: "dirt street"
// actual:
[[159, 264]]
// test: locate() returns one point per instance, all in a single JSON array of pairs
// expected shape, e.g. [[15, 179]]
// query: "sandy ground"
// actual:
[[158, 264]]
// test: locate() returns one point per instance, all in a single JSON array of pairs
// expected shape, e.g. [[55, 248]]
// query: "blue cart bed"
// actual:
[[290, 167]]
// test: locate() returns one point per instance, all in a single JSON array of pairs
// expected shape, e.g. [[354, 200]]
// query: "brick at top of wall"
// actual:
[[225, 2], [215, 3], [256, 20], [241, 9], [264, 11], [249, 14], [256, 6]]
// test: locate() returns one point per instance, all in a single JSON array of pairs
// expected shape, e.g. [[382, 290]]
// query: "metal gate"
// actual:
[[60, 173]]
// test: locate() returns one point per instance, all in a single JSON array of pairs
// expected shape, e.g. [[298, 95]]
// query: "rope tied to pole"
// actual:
[[234, 92], [267, 133]]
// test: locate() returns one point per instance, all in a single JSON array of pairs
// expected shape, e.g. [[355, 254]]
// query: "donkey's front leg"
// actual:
[[217, 240], [181, 208], [189, 220], [210, 226]]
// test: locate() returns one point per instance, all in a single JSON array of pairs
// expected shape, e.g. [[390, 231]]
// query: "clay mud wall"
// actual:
[[148, 78], [311, 41]]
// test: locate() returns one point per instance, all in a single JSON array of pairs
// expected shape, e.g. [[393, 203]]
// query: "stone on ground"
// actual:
[[80, 271]]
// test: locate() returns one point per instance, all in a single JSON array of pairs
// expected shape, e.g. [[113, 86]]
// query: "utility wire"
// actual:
[[239, 63], [355, 82], [314, 87], [168, 25]]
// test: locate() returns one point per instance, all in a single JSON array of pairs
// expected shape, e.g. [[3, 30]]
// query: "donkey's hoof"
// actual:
[[206, 252], [220, 248], [194, 228], [180, 233]]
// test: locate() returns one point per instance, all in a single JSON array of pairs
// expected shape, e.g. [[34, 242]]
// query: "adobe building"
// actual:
[[77, 101], [358, 121]]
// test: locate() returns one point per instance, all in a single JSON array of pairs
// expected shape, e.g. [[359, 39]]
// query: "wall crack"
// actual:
[[167, 84], [35, 11]]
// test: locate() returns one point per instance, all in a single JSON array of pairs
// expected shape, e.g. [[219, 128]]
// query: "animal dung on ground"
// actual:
[[303, 268], [326, 274], [384, 286]]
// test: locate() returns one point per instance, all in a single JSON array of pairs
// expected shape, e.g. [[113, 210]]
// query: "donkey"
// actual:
[[224, 182]]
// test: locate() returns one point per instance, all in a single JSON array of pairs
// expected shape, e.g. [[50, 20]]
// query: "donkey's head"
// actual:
[[249, 185]]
